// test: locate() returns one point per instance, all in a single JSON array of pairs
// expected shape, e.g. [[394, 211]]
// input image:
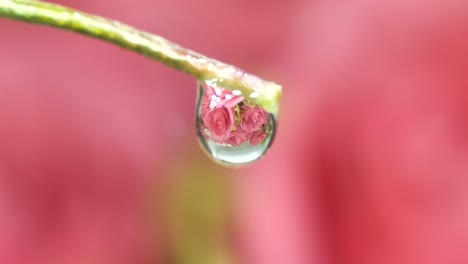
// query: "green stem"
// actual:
[[265, 94]]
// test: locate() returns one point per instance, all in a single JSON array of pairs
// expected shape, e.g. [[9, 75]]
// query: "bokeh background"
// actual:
[[99, 161]]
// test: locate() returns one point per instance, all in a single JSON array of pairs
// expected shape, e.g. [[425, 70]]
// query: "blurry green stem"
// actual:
[[264, 93]]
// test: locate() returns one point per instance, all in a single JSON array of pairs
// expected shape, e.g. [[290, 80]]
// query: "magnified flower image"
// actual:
[[229, 119]]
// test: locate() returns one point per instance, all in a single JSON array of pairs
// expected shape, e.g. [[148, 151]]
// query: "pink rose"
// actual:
[[219, 122], [253, 118], [257, 137], [237, 137]]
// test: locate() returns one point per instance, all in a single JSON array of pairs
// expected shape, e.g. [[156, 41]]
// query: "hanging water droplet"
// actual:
[[231, 129]]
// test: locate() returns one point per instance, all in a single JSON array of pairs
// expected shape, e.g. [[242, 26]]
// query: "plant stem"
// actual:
[[263, 93]]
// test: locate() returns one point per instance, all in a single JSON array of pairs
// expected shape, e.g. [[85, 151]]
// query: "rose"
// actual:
[[237, 137], [253, 118], [219, 122], [257, 137]]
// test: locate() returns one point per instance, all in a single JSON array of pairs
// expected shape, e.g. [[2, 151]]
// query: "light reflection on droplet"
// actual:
[[229, 70], [236, 92], [217, 91], [254, 95], [231, 129]]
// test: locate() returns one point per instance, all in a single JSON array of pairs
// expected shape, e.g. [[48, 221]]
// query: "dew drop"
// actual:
[[231, 129]]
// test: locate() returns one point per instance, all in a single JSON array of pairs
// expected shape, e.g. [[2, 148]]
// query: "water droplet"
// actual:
[[231, 129]]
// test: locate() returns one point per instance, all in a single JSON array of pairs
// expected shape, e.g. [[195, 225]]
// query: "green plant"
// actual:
[[267, 94]]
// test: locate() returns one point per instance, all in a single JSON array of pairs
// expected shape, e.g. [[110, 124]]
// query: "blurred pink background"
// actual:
[[99, 162]]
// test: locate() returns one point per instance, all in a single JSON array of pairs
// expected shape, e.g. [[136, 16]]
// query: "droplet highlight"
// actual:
[[231, 129]]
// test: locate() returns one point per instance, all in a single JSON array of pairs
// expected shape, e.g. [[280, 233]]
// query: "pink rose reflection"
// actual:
[[218, 111], [219, 122], [257, 137], [253, 118], [237, 137]]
